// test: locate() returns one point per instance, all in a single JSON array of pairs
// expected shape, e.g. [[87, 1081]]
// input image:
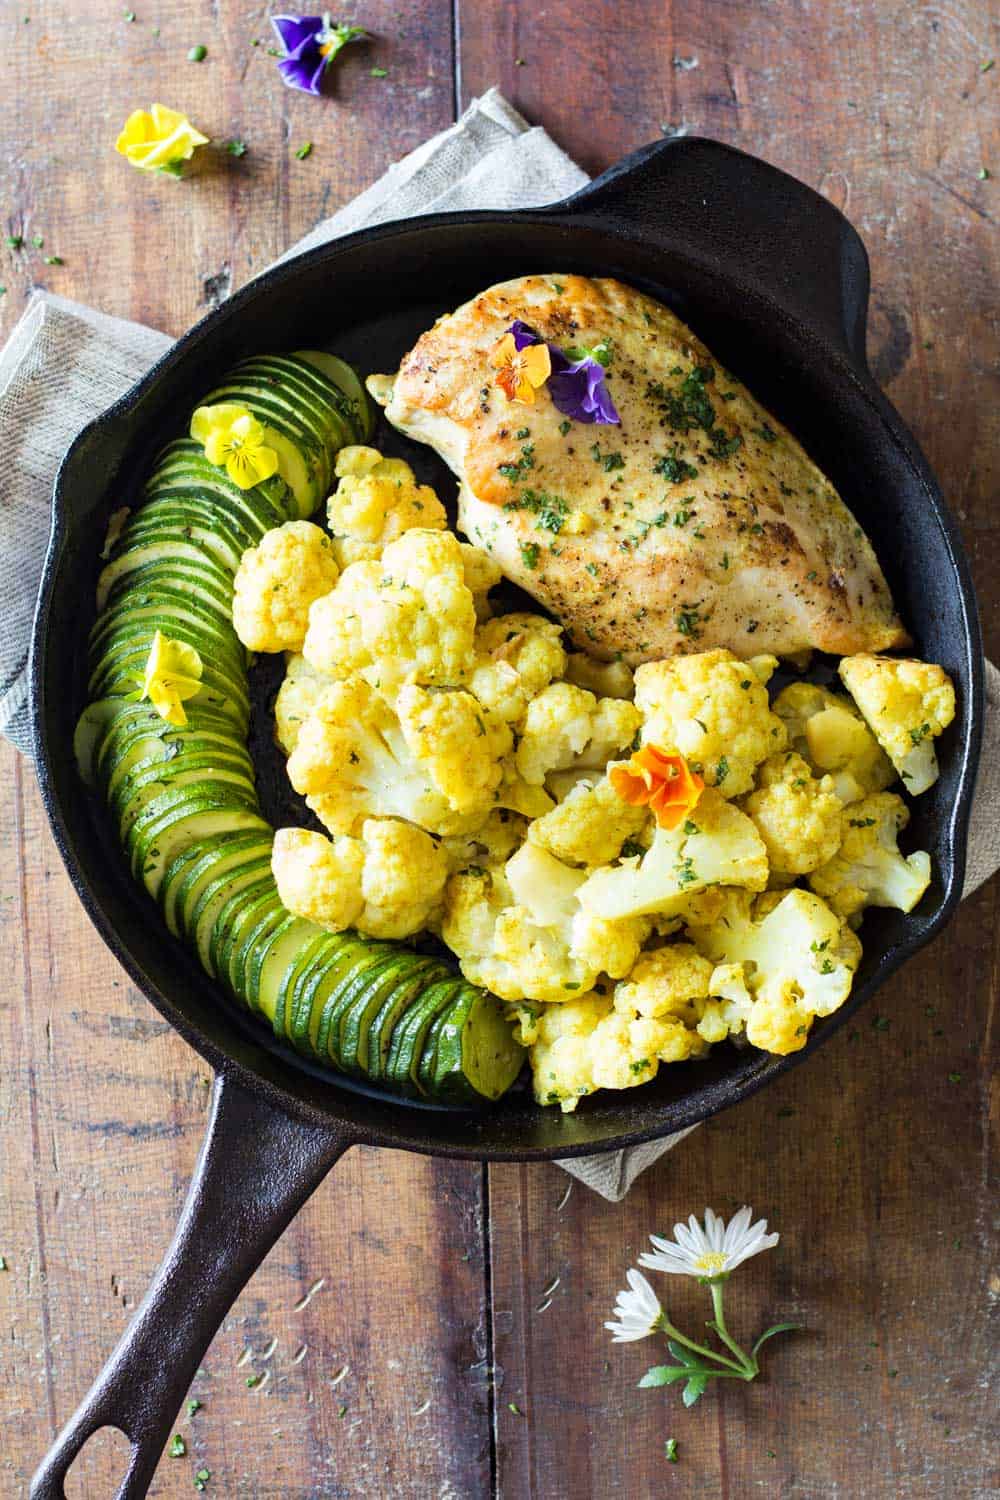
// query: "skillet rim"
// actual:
[[849, 369]]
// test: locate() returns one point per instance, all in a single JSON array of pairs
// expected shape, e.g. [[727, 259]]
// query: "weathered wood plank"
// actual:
[[880, 1176]]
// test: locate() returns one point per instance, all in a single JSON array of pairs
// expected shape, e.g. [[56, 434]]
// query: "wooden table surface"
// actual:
[[433, 1329]]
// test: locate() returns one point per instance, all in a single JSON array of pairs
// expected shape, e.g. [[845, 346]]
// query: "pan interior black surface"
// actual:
[[367, 299]]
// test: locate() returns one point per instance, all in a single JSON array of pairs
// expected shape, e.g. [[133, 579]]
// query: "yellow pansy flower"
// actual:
[[520, 372], [158, 140], [173, 673], [233, 439]]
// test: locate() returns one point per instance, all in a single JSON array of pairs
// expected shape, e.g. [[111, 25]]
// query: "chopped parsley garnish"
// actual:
[[917, 736], [15, 241], [378, 73], [682, 517], [529, 554], [523, 432], [686, 873], [862, 822], [881, 1023], [593, 569], [673, 468], [721, 771], [631, 849], [564, 427], [639, 1065], [178, 1447], [608, 461], [201, 1479], [690, 828], [670, 1448], [194, 1405], [954, 1078], [54, 260], [304, 150], [688, 621], [236, 148], [767, 432], [198, 54]]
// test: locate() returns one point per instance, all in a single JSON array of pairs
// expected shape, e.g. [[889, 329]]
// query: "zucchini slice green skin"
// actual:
[[184, 799]]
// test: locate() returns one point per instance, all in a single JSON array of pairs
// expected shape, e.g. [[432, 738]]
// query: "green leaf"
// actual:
[[694, 1389], [770, 1332], [663, 1375], [686, 1356]]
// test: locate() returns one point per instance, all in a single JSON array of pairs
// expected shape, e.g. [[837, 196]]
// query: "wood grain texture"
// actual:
[[876, 1168]]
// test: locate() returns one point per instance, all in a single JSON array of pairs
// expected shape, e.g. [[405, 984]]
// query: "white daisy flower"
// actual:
[[712, 1250], [638, 1311]]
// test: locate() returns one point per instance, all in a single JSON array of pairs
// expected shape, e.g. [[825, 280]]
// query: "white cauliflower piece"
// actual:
[[713, 709], [491, 844], [727, 1011], [868, 869], [717, 845], [587, 1045], [797, 816], [354, 758], [606, 679], [829, 732], [482, 573], [410, 616], [906, 704], [517, 656], [277, 581], [798, 956], [590, 825], [521, 933], [297, 697], [376, 501], [385, 883], [567, 726]]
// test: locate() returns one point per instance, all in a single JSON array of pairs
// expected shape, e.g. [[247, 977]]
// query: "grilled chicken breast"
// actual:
[[697, 522]]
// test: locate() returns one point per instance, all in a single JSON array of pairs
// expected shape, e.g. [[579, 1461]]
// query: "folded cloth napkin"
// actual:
[[65, 363]]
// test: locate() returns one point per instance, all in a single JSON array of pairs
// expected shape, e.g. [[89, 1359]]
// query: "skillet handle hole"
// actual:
[[101, 1465]]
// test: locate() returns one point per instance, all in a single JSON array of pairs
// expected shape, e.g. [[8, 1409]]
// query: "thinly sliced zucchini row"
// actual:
[[184, 799]]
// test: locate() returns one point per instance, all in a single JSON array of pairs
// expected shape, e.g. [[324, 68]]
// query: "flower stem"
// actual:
[[675, 1333], [718, 1325]]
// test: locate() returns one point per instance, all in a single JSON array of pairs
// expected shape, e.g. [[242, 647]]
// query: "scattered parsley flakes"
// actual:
[[564, 427], [608, 461], [673, 468], [688, 621], [194, 1405], [918, 735], [178, 1447], [670, 1449], [201, 1479], [984, 174], [304, 150], [721, 771], [341, 1410], [988, 65], [378, 73], [3, 1263], [954, 1078], [54, 260], [15, 241], [513, 1406], [38, 240], [197, 54], [529, 554], [236, 148], [130, 15], [253, 1380], [639, 1066], [881, 1023]]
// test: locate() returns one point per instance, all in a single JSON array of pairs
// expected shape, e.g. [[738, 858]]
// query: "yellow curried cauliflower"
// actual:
[[590, 826], [277, 581], [567, 726], [608, 679], [714, 710], [868, 869], [482, 573], [797, 816], [587, 1045], [829, 732], [717, 845], [409, 616], [517, 656], [671, 981], [798, 956], [520, 931], [355, 758], [467, 743], [491, 844], [297, 697], [385, 883], [376, 500], [906, 703]]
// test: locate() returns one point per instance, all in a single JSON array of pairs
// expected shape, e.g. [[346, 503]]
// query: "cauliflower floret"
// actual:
[[833, 737], [590, 826], [717, 845], [409, 616], [672, 981], [798, 956], [517, 656], [355, 759], [376, 500], [797, 816], [586, 1045], [608, 679], [713, 709], [566, 726], [277, 581], [521, 933], [385, 883], [868, 869], [482, 573], [727, 1011], [905, 703], [465, 741], [492, 844], [297, 697]]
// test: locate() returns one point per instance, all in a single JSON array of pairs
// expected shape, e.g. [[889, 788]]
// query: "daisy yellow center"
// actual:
[[711, 1262]]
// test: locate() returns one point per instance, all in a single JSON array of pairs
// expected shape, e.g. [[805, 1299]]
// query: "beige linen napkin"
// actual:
[[65, 363]]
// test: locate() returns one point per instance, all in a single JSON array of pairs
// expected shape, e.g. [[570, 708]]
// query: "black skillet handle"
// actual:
[[749, 222], [257, 1167]]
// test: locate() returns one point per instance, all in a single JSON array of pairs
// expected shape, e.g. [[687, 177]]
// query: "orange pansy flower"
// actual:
[[660, 780], [520, 372]]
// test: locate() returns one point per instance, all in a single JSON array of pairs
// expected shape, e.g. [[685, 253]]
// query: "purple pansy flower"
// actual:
[[311, 43], [577, 384]]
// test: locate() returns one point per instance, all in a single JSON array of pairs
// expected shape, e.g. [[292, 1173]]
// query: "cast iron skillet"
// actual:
[[776, 281]]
